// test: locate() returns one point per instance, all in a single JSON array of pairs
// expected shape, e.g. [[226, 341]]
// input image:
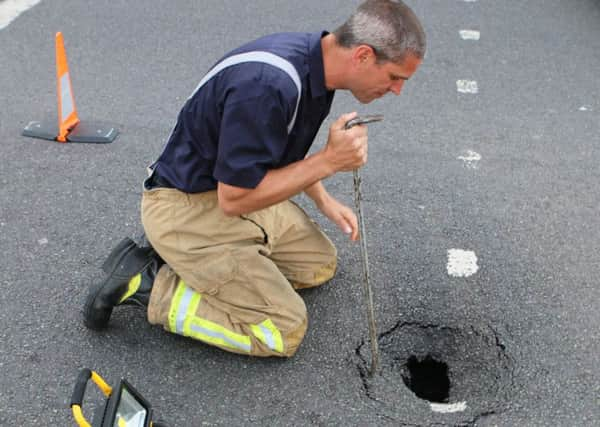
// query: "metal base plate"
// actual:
[[85, 132], [93, 133], [44, 130]]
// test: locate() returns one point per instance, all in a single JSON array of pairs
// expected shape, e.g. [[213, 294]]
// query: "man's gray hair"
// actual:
[[390, 27]]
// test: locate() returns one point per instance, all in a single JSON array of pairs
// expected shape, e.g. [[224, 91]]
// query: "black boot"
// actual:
[[125, 262], [141, 293]]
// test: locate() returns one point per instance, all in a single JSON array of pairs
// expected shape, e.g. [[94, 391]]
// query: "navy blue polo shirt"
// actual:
[[234, 128]]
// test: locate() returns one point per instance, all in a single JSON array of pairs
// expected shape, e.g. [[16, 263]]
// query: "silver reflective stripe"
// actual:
[[184, 304], [219, 335], [66, 99], [258, 56], [254, 56], [268, 337]]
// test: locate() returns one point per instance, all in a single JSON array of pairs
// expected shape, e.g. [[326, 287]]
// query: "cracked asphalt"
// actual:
[[509, 173]]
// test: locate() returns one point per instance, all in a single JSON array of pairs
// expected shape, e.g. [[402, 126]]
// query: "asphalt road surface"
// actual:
[[481, 201]]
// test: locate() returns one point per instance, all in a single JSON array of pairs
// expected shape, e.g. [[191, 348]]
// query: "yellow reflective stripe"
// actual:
[[277, 340], [174, 309], [132, 287], [258, 333], [213, 333], [268, 333], [190, 314], [183, 321]]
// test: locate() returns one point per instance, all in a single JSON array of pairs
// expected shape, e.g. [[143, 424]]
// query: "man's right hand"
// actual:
[[346, 150]]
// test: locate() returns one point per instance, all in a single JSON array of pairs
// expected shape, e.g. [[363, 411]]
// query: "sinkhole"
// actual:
[[462, 369], [427, 378]]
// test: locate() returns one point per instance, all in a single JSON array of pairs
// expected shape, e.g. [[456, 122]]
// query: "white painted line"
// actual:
[[448, 408], [471, 159], [469, 34], [461, 263], [467, 86], [584, 108], [10, 9]]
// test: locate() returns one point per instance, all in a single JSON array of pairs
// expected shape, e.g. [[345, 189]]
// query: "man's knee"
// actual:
[[326, 272], [328, 267], [271, 340], [315, 278], [294, 325], [293, 338]]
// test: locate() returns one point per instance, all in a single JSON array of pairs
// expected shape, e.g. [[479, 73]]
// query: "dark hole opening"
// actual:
[[427, 378]]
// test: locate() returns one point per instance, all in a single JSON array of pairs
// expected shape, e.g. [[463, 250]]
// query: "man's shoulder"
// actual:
[[261, 62], [294, 47], [241, 75], [278, 41]]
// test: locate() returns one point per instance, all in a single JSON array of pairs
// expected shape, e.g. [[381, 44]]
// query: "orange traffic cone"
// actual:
[[70, 128], [67, 113]]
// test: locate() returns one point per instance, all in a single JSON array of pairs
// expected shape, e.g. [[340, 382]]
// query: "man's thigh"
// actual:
[[245, 305], [303, 253], [223, 258]]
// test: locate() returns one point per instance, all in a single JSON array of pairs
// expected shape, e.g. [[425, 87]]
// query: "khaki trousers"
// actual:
[[230, 281]]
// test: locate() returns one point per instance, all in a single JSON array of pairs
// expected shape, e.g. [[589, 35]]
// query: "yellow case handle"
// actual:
[[79, 391]]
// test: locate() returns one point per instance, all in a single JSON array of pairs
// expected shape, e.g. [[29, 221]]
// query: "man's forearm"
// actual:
[[277, 185], [317, 193]]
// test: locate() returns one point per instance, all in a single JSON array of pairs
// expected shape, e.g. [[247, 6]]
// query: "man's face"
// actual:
[[372, 80]]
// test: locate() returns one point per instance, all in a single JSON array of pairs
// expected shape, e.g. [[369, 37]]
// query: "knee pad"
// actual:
[[293, 339]]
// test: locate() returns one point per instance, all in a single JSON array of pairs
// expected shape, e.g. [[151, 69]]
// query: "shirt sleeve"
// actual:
[[253, 134]]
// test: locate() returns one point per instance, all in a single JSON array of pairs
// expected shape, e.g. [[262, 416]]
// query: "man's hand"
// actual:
[[342, 215], [346, 150]]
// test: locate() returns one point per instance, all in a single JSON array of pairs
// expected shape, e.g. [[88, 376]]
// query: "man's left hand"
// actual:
[[342, 215]]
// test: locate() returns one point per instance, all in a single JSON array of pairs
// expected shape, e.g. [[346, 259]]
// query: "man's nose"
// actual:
[[396, 87]]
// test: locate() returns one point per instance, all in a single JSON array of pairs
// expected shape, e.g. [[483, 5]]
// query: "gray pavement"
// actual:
[[520, 336]]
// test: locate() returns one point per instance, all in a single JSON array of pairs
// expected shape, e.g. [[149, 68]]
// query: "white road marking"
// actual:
[[584, 108], [448, 408], [10, 9], [467, 86], [43, 241], [471, 159], [461, 263], [469, 34]]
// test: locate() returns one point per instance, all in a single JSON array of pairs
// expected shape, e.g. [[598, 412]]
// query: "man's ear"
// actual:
[[363, 54]]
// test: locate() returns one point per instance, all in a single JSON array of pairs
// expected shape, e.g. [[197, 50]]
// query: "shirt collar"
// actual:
[[317, 69]]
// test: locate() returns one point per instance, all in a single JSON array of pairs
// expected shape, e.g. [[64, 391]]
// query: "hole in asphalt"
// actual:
[[464, 368], [427, 378]]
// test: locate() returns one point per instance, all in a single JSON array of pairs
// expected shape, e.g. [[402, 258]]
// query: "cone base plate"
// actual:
[[84, 132]]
